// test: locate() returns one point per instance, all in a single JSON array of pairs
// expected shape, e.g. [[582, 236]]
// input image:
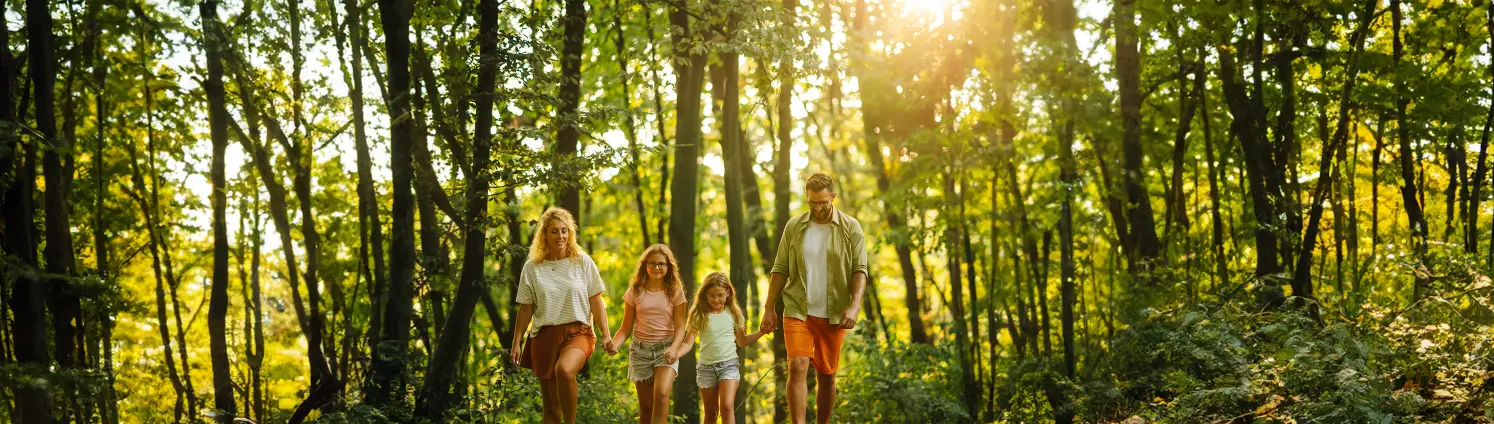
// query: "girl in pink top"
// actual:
[[654, 316]]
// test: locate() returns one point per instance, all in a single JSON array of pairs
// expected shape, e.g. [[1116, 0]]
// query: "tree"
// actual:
[[386, 380], [689, 81], [218, 126], [436, 396], [569, 133]]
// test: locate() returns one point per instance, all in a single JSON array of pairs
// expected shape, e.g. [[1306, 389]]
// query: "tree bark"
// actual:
[[1301, 277], [630, 129], [386, 376], [689, 79], [566, 113], [218, 304], [1409, 196], [1128, 73], [27, 299], [436, 396]]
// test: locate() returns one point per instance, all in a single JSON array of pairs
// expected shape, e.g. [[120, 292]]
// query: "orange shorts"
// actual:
[[816, 339], [543, 350]]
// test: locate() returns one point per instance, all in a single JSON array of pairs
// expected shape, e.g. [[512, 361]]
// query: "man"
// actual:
[[820, 271]]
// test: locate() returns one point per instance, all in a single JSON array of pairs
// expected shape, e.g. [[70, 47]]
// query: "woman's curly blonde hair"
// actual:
[[539, 250]]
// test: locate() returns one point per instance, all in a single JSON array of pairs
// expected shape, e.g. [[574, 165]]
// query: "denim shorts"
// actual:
[[710, 375], [643, 357]]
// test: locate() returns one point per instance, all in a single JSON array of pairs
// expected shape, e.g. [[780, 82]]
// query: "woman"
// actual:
[[654, 316], [559, 290]]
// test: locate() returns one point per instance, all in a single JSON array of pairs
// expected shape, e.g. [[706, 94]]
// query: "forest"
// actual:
[[1125, 211]]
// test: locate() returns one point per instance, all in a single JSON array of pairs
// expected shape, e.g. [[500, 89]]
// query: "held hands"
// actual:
[[769, 320], [611, 345], [670, 356], [766, 325]]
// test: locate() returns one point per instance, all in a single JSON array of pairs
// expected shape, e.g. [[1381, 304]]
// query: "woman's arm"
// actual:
[[521, 326], [599, 317]]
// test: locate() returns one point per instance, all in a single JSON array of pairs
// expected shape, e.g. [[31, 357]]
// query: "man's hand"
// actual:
[[766, 326], [848, 321], [769, 320]]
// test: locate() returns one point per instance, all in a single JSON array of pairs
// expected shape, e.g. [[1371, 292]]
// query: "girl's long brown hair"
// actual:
[[701, 309], [671, 277]]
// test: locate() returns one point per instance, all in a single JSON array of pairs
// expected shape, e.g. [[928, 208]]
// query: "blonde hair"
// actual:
[[700, 310], [671, 277], [539, 249]]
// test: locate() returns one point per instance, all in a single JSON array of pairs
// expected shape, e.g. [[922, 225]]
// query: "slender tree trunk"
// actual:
[[1258, 163], [1470, 218], [386, 380], [1128, 73], [56, 170], [1221, 263], [689, 79], [1301, 277], [27, 294], [436, 396], [570, 96], [630, 129], [1409, 194], [218, 128]]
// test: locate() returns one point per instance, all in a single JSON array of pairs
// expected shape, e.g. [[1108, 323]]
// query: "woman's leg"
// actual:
[[645, 401], [566, 367], [708, 399], [728, 401], [551, 400], [663, 385]]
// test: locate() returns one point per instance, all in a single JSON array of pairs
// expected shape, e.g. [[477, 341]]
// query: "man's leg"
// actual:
[[566, 367], [824, 399], [798, 392]]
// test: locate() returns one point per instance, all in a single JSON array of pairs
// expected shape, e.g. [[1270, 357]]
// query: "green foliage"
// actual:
[[899, 382]]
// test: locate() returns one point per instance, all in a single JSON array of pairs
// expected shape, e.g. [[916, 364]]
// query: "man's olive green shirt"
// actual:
[[846, 256]]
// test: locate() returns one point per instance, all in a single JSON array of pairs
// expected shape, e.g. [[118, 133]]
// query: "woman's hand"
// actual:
[[610, 346], [515, 354]]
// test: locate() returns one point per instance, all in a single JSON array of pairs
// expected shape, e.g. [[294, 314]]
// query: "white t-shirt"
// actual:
[[718, 340], [816, 267], [560, 290]]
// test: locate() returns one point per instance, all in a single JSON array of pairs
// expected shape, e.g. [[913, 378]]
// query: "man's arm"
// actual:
[[770, 306], [858, 286]]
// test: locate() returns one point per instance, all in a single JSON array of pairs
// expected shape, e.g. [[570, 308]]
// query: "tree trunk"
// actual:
[[218, 304], [27, 298], [1470, 218], [1221, 263], [62, 298], [1128, 73], [371, 248], [566, 113], [386, 382], [1409, 196], [436, 396], [1258, 163], [630, 129], [689, 79], [1301, 277]]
